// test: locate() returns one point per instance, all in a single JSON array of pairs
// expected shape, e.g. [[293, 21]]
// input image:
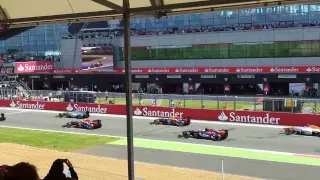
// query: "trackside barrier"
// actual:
[[248, 117], [200, 101]]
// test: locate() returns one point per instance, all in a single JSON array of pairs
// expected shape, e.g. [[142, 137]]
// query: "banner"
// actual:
[[221, 70], [247, 117], [48, 67], [34, 67], [67, 70]]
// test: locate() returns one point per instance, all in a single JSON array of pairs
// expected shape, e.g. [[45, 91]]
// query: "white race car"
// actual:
[[309, 130]]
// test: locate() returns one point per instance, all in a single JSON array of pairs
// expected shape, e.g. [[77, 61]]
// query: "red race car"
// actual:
[[173, 121], [208, 133], [84, 124]]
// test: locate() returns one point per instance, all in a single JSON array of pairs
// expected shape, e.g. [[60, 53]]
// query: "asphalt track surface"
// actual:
[[239, 136]]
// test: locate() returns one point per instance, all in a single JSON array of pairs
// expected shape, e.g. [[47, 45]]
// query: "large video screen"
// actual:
[[97, 59]]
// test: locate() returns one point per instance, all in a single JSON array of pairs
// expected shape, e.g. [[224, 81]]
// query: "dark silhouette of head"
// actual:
[[22, 171], [57, 166]]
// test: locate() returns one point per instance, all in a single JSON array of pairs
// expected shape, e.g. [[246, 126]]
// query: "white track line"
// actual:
[[202, 145], [151, 118], [19, 112]]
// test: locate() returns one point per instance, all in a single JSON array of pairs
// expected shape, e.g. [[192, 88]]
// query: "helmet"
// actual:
[[206, 129]]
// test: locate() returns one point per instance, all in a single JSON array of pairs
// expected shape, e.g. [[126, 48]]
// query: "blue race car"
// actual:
[[208, 134], [75, 114]]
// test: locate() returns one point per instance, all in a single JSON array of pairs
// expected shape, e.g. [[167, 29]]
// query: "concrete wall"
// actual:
[[292, 34]]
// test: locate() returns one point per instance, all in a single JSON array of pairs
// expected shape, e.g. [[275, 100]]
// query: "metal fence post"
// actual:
[[234, 102], [202, 106], [273, 105], [254, 104], [184, 101], [292, 105], [315, 106], [218, 102]]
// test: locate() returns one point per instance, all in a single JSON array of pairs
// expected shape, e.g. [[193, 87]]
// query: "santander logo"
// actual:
[[156, 113], [78, 107], [27, 105], [233, 117], [223, 117], [20, 68], [35, 67]]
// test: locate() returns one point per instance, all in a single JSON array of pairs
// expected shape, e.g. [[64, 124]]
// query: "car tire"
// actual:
[[186, 135], [60, 115], [156, 122], [68, 125], [288, 132], [196, 135], [90, 126], [180, 123], [217, 137]]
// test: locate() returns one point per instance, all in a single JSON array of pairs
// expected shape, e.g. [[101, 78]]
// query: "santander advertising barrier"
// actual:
[[248, 117]]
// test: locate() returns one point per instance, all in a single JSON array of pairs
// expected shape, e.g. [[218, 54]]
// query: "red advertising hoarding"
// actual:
[[248, 117], [221, 70], [34, 67], [67, 70], [48, 67]]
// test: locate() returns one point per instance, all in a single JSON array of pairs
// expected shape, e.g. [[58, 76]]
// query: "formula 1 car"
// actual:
[[74, 114], [2, 117], [84, 124], [309, 130], [174, 121], [208, 134]]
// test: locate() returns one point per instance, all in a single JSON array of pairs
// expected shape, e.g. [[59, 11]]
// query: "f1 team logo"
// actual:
[[223, 117]]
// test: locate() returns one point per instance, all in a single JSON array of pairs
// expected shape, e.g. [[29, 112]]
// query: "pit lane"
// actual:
[[239, 136]]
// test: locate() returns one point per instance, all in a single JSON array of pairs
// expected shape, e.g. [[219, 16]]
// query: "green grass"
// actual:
[[52, 140], [239, 105], [186, 103]]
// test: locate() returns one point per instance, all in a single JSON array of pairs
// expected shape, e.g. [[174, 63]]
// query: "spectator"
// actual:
[[3, 171], [50, 96], [22, 171], [179, 105], [171, 103], [107, 95], [56, 171]]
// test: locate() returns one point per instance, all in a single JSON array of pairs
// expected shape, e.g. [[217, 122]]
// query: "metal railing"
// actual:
[[252, 103]]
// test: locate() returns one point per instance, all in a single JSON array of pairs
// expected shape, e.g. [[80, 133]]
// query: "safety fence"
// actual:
[[252, 103]]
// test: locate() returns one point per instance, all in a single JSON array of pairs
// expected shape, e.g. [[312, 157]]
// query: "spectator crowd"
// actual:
[[219, 29], [27, 171]]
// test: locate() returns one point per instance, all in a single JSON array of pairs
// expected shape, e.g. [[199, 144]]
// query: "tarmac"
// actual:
[[258, 138]]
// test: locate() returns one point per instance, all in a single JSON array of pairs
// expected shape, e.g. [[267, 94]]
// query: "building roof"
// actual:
[[19, 13]]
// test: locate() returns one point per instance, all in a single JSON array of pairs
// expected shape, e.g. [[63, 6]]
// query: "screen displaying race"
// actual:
[[97, 58]]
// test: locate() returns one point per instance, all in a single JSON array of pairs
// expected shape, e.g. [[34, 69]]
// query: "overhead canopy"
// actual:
[[19, 13]]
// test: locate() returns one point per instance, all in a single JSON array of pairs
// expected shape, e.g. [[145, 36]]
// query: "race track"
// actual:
[[239, 136]]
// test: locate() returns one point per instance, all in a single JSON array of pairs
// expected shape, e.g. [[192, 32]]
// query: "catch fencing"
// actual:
[[200, 101]]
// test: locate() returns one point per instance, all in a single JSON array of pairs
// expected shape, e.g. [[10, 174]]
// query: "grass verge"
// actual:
[[185, 103], [52, 140]]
